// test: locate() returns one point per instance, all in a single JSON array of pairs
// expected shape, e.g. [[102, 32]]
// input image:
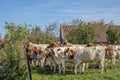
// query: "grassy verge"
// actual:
[[112, 73]]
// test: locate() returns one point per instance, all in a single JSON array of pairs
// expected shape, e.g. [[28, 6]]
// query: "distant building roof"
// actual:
[[102, 34], [102, 38]]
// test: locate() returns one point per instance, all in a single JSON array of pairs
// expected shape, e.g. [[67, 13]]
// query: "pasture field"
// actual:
[[112, 73]]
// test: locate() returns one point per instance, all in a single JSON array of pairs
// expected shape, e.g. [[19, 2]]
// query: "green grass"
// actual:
[[112, 73]]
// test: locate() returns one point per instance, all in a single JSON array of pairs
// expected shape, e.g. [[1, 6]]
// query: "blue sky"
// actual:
[[44, 12]]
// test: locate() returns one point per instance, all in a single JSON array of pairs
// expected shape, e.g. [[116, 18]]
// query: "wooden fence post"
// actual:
[[28, 65]]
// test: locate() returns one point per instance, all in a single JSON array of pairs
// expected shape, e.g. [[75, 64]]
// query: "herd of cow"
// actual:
[[57, 55]]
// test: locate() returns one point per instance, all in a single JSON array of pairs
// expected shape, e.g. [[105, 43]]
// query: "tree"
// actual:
[[38, 36], [14, 64], [98, 23], [52, 32], [113, 35], [84, 34]]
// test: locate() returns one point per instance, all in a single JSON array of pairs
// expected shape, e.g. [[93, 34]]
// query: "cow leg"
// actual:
[[55, 62], [59, 65], [43, 62], [87, 65], [51, 67], [51, 64], [34, 57], [55, 65], [102, 64], [82, 67], [76, 65], [34, 61], [38, 63], [63, 66], [105, 65], [113, 61]]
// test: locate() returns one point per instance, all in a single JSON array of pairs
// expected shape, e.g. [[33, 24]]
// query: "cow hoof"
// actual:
[[63, 73], [105, 70], [81, 73], [37, 66], [54, 71]]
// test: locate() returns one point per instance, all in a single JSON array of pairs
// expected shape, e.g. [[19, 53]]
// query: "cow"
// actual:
[[33, 52], [49, 57], [117, 49], [88, 54], [111, 53], [65, 53], [60, 57]]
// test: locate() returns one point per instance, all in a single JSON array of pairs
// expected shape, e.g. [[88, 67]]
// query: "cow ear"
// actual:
[[118, 49], [58, 49], [105, 48], [71, 51], [40, 51], [67, 49], [34, 47]]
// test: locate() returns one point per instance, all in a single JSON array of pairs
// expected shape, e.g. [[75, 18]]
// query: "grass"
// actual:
[[112, 73]]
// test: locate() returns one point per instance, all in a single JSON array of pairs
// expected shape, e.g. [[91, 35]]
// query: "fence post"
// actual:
[[28, 65]]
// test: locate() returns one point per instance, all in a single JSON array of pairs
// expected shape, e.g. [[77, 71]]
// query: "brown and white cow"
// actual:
[[33, 52], [111, 54], [117, 49]]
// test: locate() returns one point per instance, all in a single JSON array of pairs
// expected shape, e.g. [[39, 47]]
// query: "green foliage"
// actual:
[[84, 34], [12, 55], [13, 63], [38, 36], [98, 23], [113, 35]]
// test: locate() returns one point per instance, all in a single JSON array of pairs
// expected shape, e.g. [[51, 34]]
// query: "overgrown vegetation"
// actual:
[[113, 34], [13, 62], [12, 59]]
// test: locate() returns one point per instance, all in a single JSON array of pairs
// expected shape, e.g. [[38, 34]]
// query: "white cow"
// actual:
[[88, 54], [63, 54], [60, 57]]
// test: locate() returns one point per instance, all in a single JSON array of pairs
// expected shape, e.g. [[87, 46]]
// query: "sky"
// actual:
[[44, 12]]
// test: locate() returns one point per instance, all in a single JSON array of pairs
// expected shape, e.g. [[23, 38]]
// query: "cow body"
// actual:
[[89, 54]]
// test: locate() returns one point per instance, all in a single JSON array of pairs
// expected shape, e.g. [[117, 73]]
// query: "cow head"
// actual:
[[109, 51], [69, 52]]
